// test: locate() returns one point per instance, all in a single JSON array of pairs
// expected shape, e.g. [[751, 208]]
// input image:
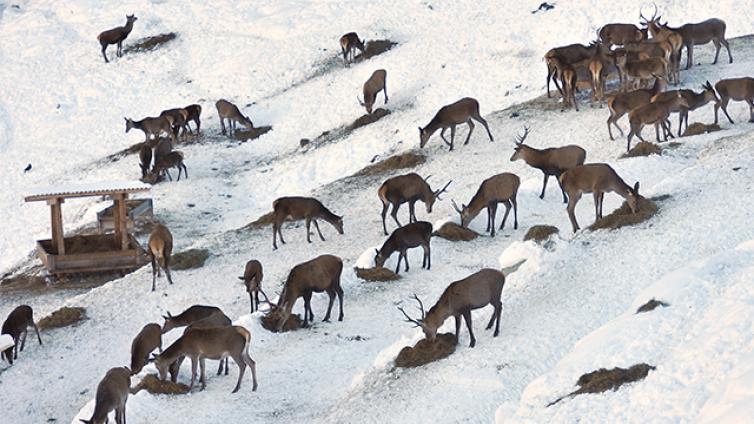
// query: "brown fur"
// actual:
[[412, 235], [252, 279], [116, 36], [229, 111], [372, 87], [306, 208], [738, 89], [160, 247], [148, 339], [501, 188], [462, 111], [656, 113], [408, 188], [348, 44], [621, 103], [16, 325], [112, 394]]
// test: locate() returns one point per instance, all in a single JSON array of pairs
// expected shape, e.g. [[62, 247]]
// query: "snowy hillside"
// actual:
[[567, 310]]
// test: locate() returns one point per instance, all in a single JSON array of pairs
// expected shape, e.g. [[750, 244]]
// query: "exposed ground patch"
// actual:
[[651, 306], [189, 259], [698, 128], [150, 43], [603, 380], [62, 317]]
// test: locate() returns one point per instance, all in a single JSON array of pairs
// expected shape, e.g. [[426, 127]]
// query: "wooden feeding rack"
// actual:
[[99, 252]]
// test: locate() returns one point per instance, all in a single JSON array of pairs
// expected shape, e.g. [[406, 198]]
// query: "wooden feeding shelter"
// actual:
[[89, 253]]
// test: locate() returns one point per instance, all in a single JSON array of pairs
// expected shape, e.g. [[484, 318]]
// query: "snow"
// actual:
[[6, 341], [567, 310], [83, 188]]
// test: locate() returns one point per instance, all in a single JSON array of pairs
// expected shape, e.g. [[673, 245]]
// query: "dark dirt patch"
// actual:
[[425, 351], [251, 134], [540, 233], [63, 317], [149, 43], [271, 322], [376, 274], [651, 305], [698, 128], [603, 380], [623, 216], [155, 386], [189, 259], [454, 232], [643, 148], [393, 163], [376, 47], [345, 130]]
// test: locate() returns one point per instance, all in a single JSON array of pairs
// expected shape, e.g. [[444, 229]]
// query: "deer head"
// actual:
[[464, 212], [633, 198], [519, 140], [429, 331], [435, 195], [169, 323]]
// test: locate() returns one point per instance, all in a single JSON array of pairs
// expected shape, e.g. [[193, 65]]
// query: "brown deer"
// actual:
[[210, 343], [476, 291], [180, 117], [644, 69], [738, 89], [620, 104], [568, 80], [451, 115], [408, 188], [501, 188], [597, 69], [192, 314], [412, 235], [348, 45], [194, 114], [16, 325], [252, 279], [216, 319], [160, 248], [598, 179], [174, 159], [663, 33], [306, 208], [656, 113], [116, 36], [620, 34], [145, 158], [551, 161], [571, 54], [372, 87], [694, 100], [148, 339], [112, 394], [153, 127], [229, 111]]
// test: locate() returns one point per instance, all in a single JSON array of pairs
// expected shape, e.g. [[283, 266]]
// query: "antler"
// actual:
[[455, 206], [408, 318], [360, 102], [442, 190], [520, 138], [427, 177], [421, 306]]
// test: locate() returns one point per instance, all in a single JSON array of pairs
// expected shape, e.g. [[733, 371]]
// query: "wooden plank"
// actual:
[[122, 221], [56, 218], [46, 197]]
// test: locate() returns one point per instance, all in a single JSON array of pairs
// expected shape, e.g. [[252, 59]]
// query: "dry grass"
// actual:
[[643, 148], [393, 163], [261, 222], [698, 128], [155, 386], [603, 380], [271, 321], [189, 259], [540, 233], [63, 317], [623, 216], [425, 351], [251, 134], [454, 232], [149, 43], [376, 274], [369, 118], [651, 305], [376, 47]]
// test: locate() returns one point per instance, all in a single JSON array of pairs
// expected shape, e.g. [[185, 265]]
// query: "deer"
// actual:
[[571, 54], [306, 208], [500, 188], [148, 339], [116, 36], [210, 343], [192, 314], [652, 49], [173, 159], [153, 127], [598, 179], [656, 113], [737, 89], [215, 319], [620, 34], [476, 291], [348, 45], [412, 235], [596, 70], [694, 100], [408, 188], [112, 394], [160, 248], [451, 115], [644, 69], [180, 117], [145, 158], [568, 80], [252, 279], [372, 87], [664, 33], [552, 161], [229, 111], [16, 325], [194, 114], [620, 104]]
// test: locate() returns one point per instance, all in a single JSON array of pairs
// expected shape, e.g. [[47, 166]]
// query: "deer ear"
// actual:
[[636, 188], [376, 251], [241, 278]]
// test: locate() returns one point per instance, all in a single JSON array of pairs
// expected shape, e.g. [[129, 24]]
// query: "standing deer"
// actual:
[[145, 158], [192, 314], [148, 339], [501, 188], [229, 111], [656, 113], [694, 100], [476, 291], [252, 279], [153, 127], [216, 319], [551, 161], [738, 89], [408, 188], [664, 33], [194, 114], [571, 54], [306, 208], [412, 235], [180, 117], [644, 69], [160, 248], [173, 159], [620, 34], [16, 325], [451, 115], [112, 394], [348, 45], [372, 87], [597, 69], [620, 104], [598, 179], [116, 36], [568, 80]]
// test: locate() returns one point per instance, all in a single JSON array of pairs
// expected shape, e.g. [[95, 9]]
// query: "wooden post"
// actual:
[[57, 224], [120, 220]]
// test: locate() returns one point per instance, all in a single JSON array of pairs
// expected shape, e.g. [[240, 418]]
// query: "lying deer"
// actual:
[[148, 339], [412, 235], [160, 248], [372, 87], [738, 89], [656, 113], [476, 291], [620, 104], [174, 159], [116, 36], [153, 127], [112, 394], [451, 115], [216, 319], [229, 111], [501, 188], [306, 208], [194, 114], [348, 45], [408, 188], [551, 161], [16, 325], [620, 34], [598, 179], [694, 101], [252, 279]]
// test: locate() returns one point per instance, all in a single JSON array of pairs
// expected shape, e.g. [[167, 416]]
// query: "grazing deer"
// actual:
[[148, 339], [620, 34], [620, 104], [412, 235], [372, 87], [408, 188], [180, 117], [252, 279], [476, 291], [321, 274], [568, 80], [210, 343], [216, 319], [656, 113], [451, 115], [174, 159], [116, 36], [189, 316], [551, 161], [112, 394], [644, 69], [501, 188], [194, 114], [145, 158], [571, 54], [738, 89], [306, 208], [16, 325], [694, 100], [160, 247], [229, 111], [153, 127], [598, 179], [348, 45]]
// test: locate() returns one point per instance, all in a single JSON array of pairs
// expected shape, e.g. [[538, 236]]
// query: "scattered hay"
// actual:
[[63, 317], [454, 232], [651, 305], [149, 43], [603, 380], [644, 148], [540, 233], [698, 128], [189, 259], [263, 221], [251, 134], [376, 274], [377, 47], [23, 281], [369, 118], [425, 351], [81, 244], [623, 216], [155, 386], [393, 163], [271, 321]]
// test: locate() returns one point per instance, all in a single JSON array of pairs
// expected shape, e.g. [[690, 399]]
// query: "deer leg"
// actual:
[[274, 236], [657, 131], [716, 42], [36, 329], [426, 258], [498, 311], [680, 120], [479, 118], [154, 272], [602, 198], [492, 212], [727, 47], [23, 340], [398, 265], [170, 177], [562, 190], [384, 91], [492, 318], [339, 292], [458, 325], [411, 212], [471, 129], [251, 300], [220, 368], [253, 366], [241, 362], [331, 295], [308, 308], [751, 109], [316, 225], [507, 205], [452, 135], [489, 219], [394, 214], [202, 376], [467, 318], [104, 47], [544, 186], [384, 213], [167, 271], [690, 54], [193, 372], [596, 196], [405, 259], [442, 135], [308, 231], [572, 200], [724, 107]]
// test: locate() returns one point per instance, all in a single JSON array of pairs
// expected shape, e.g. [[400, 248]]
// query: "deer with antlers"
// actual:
[[409, 188], [501, 188]]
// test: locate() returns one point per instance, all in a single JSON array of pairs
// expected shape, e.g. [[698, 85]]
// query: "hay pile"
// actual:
[[698, 128], [80, 244], [63, 317], [149, 43], [370, 118], [251, 134], [603, 380], [651, 305], [643, 148], [272, 320], [376, 274], [454, 232], [425, 351], [402, 161], [540, 233], [261, 222], [623, 216], [189, 259], [155, 386], [376, 47]]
